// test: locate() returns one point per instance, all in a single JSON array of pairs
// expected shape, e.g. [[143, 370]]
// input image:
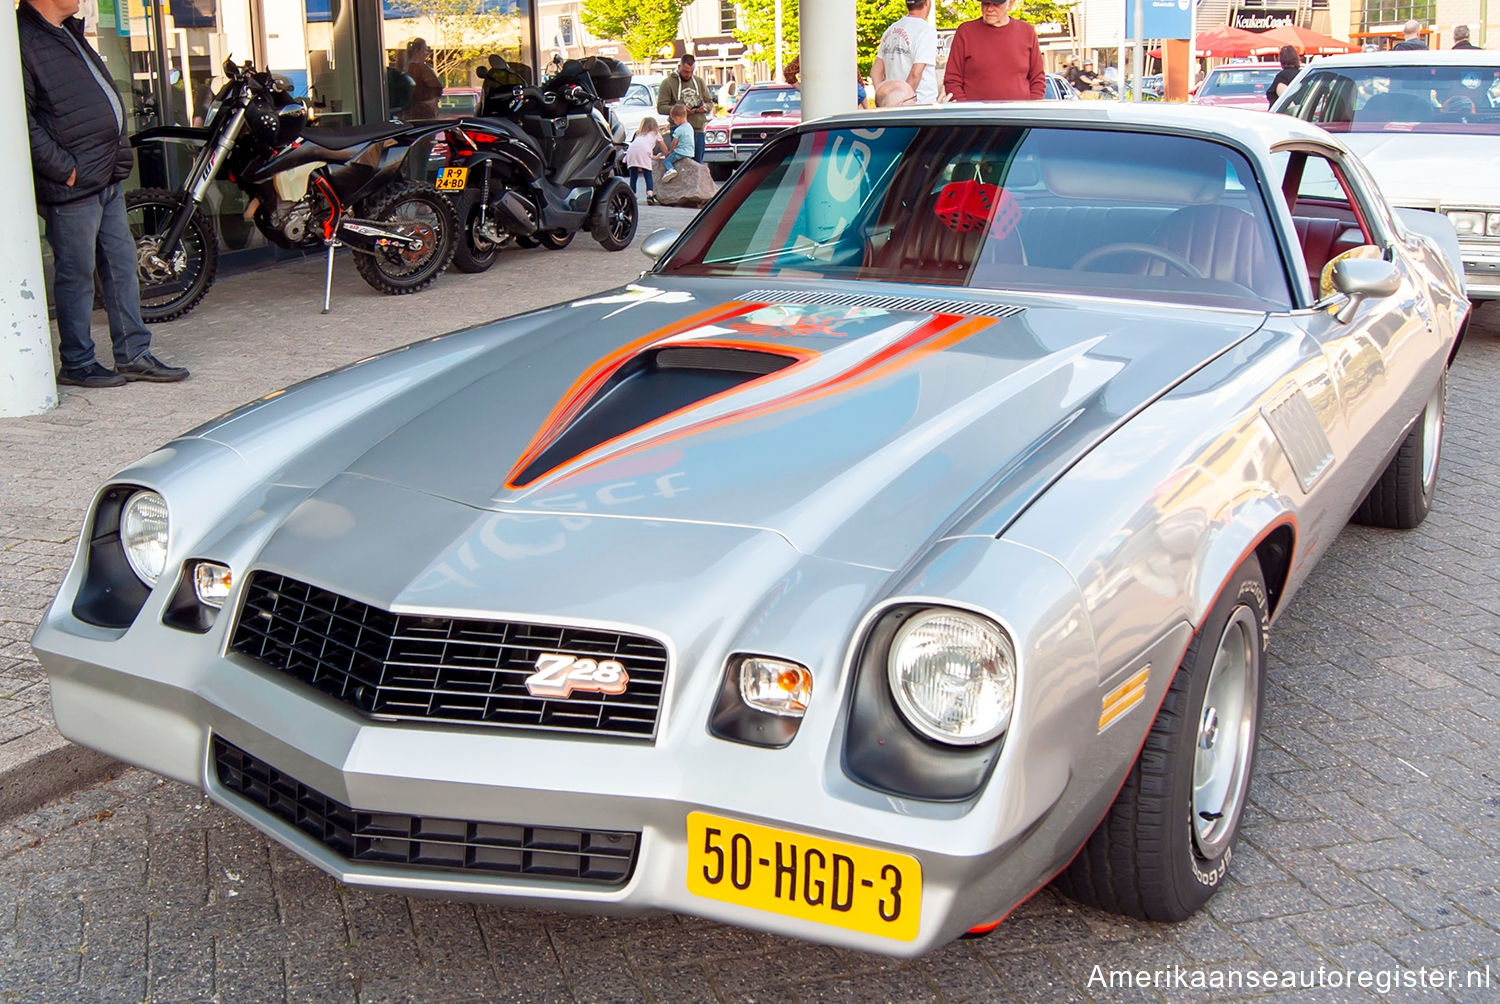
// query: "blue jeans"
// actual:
[[672, 158], [700, 144], [643, 172], [91, 235]]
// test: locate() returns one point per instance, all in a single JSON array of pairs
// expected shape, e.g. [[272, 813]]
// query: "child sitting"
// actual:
[[682, 141], [638, 156]]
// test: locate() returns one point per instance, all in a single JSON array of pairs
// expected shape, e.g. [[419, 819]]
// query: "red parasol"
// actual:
[[1306, 41]]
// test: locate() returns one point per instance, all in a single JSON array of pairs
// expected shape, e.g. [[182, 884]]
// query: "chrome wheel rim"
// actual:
[[1225, 739], [1432, 434]]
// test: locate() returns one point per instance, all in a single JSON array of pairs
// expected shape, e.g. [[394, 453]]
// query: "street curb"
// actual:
[[48, 767]]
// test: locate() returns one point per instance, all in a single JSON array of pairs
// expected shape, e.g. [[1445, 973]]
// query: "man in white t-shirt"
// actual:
[[908, 51]]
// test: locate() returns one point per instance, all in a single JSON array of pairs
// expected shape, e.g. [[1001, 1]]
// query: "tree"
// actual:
[[463, 33], [952, 13], [644, 26]]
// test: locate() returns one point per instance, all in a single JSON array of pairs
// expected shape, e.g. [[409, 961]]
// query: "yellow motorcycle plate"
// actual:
[[452, 179], [825, 881]]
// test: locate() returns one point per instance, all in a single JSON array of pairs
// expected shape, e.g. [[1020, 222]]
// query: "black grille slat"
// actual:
[[442, 669], [595, 857]]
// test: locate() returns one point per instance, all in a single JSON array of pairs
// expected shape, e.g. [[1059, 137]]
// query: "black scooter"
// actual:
[[539, 164], [309, 187]]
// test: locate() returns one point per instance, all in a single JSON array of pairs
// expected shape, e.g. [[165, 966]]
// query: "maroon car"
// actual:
[[762, 111]]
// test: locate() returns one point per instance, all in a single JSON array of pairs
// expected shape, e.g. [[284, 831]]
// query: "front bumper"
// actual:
[[737, 154], [1481, 270]]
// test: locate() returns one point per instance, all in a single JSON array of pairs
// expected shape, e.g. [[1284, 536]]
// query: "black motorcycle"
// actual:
[[539, 164], [308, 186]]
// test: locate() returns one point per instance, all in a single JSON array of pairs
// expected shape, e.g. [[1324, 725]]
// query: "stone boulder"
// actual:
[[692, 187]]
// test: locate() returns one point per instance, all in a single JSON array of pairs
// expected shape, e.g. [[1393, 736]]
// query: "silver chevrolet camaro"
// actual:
[[907, 538]]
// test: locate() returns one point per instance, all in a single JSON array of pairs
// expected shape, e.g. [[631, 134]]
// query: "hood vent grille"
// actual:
[[917, 304]]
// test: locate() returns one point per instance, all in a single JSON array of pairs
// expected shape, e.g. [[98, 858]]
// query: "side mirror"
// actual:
[[1360, 278], [658, 242]]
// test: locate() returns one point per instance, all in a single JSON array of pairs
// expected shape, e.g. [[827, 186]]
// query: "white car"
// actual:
[[639, 102], [1427, 125]]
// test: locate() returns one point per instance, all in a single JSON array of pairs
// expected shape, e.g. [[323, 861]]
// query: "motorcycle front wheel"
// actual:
[[173, 286], [473, 251], [418, 208]]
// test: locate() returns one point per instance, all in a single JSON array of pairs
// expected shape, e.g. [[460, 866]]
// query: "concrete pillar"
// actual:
[[27, 382], [829, 85]]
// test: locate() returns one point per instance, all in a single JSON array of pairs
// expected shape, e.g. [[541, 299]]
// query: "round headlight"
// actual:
[[953, 675], [143, 535]]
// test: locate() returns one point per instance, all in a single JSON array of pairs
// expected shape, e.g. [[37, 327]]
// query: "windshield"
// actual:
[[1117, 213], [1438, 99], [770, 101], [1243, 81]]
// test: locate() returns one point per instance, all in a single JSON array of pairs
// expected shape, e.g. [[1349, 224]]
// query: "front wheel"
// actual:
[[1164, 846], [419, 210], [171, 286], [616, 214], [1402, 498], [474, 251], [555, 240], [720, 171]]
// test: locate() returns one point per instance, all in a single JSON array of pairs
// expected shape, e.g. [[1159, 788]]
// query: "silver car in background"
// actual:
[[1427, 125], [908, 537]]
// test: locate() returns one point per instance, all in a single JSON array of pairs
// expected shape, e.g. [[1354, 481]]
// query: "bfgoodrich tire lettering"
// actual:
[[1166, 843]]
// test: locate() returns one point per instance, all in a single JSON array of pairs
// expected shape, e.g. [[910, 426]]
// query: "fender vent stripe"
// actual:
[[1124, 697], [964, 308], [1302, 439]]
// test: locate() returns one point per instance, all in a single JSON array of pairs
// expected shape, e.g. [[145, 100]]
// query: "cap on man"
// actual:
[[80, 152], [1411, 37], [995, 58]]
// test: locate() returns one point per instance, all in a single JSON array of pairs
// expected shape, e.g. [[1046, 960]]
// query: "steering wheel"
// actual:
[[1161, 254], [1462, 104]]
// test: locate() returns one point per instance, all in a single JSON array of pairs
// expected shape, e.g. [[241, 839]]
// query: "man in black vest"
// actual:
[[80, 153]]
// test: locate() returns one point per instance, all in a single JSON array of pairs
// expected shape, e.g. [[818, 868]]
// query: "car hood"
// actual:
[[1426, 171], [856, 432], [756, 120]]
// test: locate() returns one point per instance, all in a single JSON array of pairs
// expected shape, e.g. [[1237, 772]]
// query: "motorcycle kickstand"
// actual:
[[328, 276]]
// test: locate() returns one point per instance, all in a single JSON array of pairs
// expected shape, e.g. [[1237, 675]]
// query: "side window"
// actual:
[[1331, 221]]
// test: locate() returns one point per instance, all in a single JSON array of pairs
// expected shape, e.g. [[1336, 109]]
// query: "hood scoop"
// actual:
[[914, 304], [649, 387]]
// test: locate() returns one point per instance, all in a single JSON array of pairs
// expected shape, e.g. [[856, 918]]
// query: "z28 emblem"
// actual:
[[559, 675]]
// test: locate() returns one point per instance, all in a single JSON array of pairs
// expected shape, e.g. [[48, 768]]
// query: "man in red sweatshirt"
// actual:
[[995, 58]]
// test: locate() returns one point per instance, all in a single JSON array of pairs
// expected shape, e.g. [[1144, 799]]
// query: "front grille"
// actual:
[[596, 857], [753, 134], [442, 669]]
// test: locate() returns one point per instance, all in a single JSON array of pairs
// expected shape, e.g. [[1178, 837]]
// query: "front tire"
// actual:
[[555, 240], [1165, 845], [1402, 498], [616, 215], [720, 171], [172, 288], [417, 206], [473, 251]]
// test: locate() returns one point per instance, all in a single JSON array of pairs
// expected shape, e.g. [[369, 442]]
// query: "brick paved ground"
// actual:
[[1372, 841]]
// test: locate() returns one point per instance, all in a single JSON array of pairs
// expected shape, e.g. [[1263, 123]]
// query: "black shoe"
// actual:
[[92, 375], [147, 367]]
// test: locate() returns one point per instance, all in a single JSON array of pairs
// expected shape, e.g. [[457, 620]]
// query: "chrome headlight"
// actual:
[[1467, 223], [1492, 228], [718, 136], [953, 675], [144, 535]]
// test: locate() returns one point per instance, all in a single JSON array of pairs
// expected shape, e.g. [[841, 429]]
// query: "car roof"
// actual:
[[1227, 67], [1255, 130], [769, 86], [1410, 57]]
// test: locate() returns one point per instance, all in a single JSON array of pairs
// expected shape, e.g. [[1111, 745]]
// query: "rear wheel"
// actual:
[[474, 251], [1164, 846], [172, 286], [615, 216], [1402, 498], [418, 210], [555, 240]]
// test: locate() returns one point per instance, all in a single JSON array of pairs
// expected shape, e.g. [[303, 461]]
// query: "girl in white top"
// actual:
[[644, 148]]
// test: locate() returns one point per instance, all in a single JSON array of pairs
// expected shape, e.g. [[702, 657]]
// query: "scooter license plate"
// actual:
[[452, 179]]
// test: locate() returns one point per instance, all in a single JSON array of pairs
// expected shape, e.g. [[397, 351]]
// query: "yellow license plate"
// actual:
[[452, 179], [793, 874]]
